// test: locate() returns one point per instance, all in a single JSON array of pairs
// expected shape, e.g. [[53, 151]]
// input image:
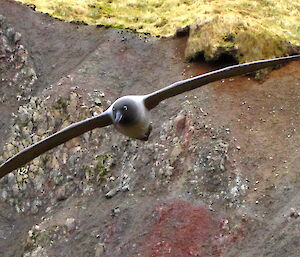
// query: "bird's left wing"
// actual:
[[153, 99], [60, 137]]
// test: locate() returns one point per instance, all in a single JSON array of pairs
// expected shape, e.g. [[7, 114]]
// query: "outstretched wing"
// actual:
[[153, 99], [60, 137]]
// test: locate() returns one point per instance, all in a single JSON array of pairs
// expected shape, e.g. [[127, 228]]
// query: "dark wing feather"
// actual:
[[180, 87], [54, 140]]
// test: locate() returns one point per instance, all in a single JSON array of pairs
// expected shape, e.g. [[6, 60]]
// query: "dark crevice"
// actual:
[[224, 60]]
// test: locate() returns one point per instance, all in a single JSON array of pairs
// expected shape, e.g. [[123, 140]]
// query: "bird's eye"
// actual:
[[125, 107]]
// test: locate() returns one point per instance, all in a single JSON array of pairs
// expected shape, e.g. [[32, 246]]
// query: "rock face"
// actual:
[[44, 177], [219, 175], [17, 74]]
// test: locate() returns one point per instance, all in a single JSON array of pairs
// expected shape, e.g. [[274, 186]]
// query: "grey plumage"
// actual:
[[130, 114]]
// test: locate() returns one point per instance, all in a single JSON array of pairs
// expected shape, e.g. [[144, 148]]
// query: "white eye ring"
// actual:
[[125, 107]]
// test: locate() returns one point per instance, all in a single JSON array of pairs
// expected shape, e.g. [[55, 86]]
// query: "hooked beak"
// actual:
[[118, 117]]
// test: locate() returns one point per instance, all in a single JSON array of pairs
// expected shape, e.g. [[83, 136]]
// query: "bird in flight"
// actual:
[[130, 114]]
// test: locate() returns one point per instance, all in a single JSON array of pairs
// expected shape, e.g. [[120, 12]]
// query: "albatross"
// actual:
[[130, 114]]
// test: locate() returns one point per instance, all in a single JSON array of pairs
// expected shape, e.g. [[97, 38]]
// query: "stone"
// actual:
[[115, 212], [112, 192], [177, 150], [10, 33], [61, 193], [71, 224], [179, 122], [37, 252], [17, 37], [2, 19], [99, 250]]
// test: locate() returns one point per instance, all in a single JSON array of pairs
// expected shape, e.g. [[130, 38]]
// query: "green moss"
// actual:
[[60, 104], [101, 169], [103, 165]]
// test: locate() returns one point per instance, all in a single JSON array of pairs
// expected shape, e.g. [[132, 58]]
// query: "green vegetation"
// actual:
[[246, 29], [103, 165], [60, 104]]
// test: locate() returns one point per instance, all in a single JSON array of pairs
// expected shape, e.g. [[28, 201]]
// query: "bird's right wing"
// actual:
[[60, 137], [153, 99]]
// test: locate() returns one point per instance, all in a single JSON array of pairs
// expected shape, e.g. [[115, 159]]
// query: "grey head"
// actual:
[[125, 111], [130, 117]]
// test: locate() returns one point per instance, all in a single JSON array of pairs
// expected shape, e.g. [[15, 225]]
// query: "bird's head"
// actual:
[[125, 111]]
